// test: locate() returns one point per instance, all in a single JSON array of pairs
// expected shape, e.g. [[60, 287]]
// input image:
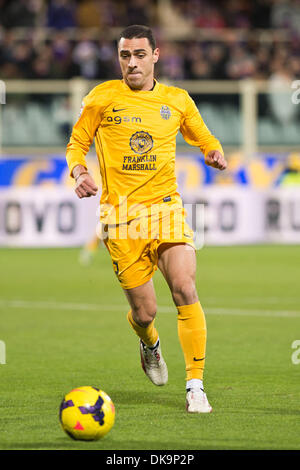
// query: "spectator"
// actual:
[[217, 56], [201, 70], [282, 14], [295, 66], [108, 63], [231, 56], [61, 14], [241, 64], [7, 47], [89, 14], [22, 57], [263, 63], [281, 105], [85, 55], [62, 56], [172, 61], [20, 13], [261, 12], [238, 13], [209, 17], [41, 66], [139, 12]]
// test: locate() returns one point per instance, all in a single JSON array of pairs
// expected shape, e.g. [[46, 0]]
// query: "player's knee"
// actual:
[[144, 315], [184, 292]]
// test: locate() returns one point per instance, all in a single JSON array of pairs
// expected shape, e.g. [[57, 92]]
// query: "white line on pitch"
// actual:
[[73, 306], [256, 300]]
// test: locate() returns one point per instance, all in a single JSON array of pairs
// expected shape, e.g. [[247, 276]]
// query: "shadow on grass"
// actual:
[[157, 396]]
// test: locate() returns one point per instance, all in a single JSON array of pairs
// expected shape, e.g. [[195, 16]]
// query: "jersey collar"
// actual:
[[153, 91]]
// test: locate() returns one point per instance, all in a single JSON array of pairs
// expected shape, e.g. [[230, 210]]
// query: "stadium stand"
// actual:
[[200, 40]]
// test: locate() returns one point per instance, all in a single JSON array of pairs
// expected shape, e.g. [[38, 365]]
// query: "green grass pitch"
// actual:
[[65, 326]]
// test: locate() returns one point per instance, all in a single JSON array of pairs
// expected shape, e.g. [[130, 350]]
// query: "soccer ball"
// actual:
[[87, 413]]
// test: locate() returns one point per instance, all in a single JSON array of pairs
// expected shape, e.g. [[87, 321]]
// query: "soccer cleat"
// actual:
[[196, 402], [153, 364]]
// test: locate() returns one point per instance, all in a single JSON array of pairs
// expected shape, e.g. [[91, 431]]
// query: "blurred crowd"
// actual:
[[77, 37]]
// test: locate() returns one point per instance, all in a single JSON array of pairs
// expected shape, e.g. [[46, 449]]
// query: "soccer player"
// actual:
[[89, 250], [134, 122]]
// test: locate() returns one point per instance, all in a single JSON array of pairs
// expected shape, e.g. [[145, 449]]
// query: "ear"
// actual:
[[155, 55]]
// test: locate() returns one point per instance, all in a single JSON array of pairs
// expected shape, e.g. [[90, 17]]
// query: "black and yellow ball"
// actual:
[[87, 413]]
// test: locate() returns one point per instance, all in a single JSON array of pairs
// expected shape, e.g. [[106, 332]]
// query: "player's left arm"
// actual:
[[195, 132], [216, 159]]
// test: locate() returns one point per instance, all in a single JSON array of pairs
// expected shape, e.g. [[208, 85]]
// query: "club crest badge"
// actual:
[[141, 142], [165, 112]]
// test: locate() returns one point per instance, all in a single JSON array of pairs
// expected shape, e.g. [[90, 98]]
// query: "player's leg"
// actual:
[[142, 301], [141, 317], [178, 265], [134, 270], [177, 262], [88, 251]]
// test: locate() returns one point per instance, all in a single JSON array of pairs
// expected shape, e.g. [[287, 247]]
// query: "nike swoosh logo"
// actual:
[[117, 110], [202, 359]]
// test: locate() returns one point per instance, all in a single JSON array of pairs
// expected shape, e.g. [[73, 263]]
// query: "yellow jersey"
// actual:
[[135, 139]]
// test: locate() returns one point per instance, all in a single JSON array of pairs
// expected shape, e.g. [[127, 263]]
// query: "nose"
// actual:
[[132, 62]]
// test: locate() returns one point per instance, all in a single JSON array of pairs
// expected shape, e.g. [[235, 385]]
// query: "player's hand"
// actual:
[[85, 184], [215, 159]]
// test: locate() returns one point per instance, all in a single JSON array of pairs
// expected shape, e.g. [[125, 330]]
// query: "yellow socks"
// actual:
[[191, 333], [192, 337], [148, 335]]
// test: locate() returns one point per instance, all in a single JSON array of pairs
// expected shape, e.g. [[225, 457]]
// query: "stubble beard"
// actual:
[[135, 84]]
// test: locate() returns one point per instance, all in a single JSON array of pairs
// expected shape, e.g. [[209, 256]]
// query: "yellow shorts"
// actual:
[[133, 246]]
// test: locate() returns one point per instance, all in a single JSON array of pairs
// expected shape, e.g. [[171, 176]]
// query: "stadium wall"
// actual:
[[254, 201]]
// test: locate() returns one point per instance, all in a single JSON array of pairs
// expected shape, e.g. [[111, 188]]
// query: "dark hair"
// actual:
[[139, 31]]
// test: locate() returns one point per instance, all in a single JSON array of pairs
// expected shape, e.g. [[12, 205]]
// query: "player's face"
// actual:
[[137, 61]]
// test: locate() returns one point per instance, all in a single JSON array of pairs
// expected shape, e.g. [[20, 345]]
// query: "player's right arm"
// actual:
[[195, 132], [82, 137], [85, 185]]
